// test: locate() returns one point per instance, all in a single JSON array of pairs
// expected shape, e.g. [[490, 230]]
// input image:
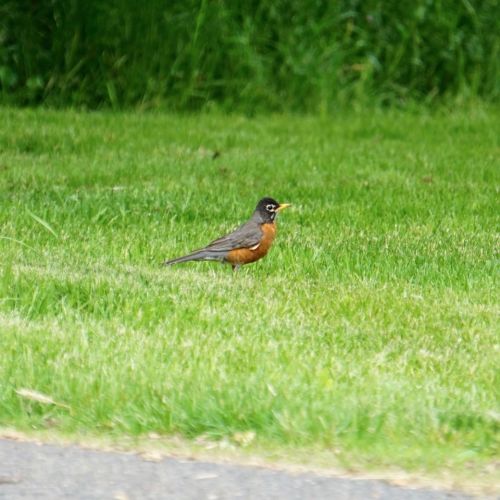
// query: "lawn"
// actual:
[[370, 332]]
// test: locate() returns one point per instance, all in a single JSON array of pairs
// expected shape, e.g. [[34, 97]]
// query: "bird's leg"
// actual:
[[235, 267]]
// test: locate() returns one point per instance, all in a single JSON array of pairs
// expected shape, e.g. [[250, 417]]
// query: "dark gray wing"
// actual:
[[246, 236]]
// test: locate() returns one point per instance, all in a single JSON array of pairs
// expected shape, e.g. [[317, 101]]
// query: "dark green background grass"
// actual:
[[250, 55], [370, 329]]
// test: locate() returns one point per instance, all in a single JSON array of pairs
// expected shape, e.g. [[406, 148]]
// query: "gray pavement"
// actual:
[[30, 470]]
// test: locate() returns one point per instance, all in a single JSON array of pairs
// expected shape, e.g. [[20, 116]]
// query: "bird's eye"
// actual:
[[270, 208]]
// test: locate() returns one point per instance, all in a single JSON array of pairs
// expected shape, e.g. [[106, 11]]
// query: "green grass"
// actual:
[[266, 55], [371, 328]]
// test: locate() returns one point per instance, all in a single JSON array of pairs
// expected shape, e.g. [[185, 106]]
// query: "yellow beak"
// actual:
[[283, 205]]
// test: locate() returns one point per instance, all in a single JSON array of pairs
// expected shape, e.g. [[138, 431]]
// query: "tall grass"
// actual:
[[251, 55]]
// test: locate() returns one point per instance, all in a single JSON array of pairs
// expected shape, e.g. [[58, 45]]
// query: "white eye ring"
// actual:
[[270, 208]]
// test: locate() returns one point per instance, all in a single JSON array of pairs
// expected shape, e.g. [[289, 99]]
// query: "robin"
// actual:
[[246, 244]]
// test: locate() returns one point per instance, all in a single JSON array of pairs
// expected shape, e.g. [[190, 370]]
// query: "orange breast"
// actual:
[[247, 255]]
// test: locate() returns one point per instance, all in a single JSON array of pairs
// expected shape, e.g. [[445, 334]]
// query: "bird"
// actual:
[[248, 243]]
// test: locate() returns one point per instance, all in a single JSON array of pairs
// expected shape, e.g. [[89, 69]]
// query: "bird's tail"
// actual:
[[197, 255]]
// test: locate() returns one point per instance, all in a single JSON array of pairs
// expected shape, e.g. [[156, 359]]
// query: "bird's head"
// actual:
[[267, 209]]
